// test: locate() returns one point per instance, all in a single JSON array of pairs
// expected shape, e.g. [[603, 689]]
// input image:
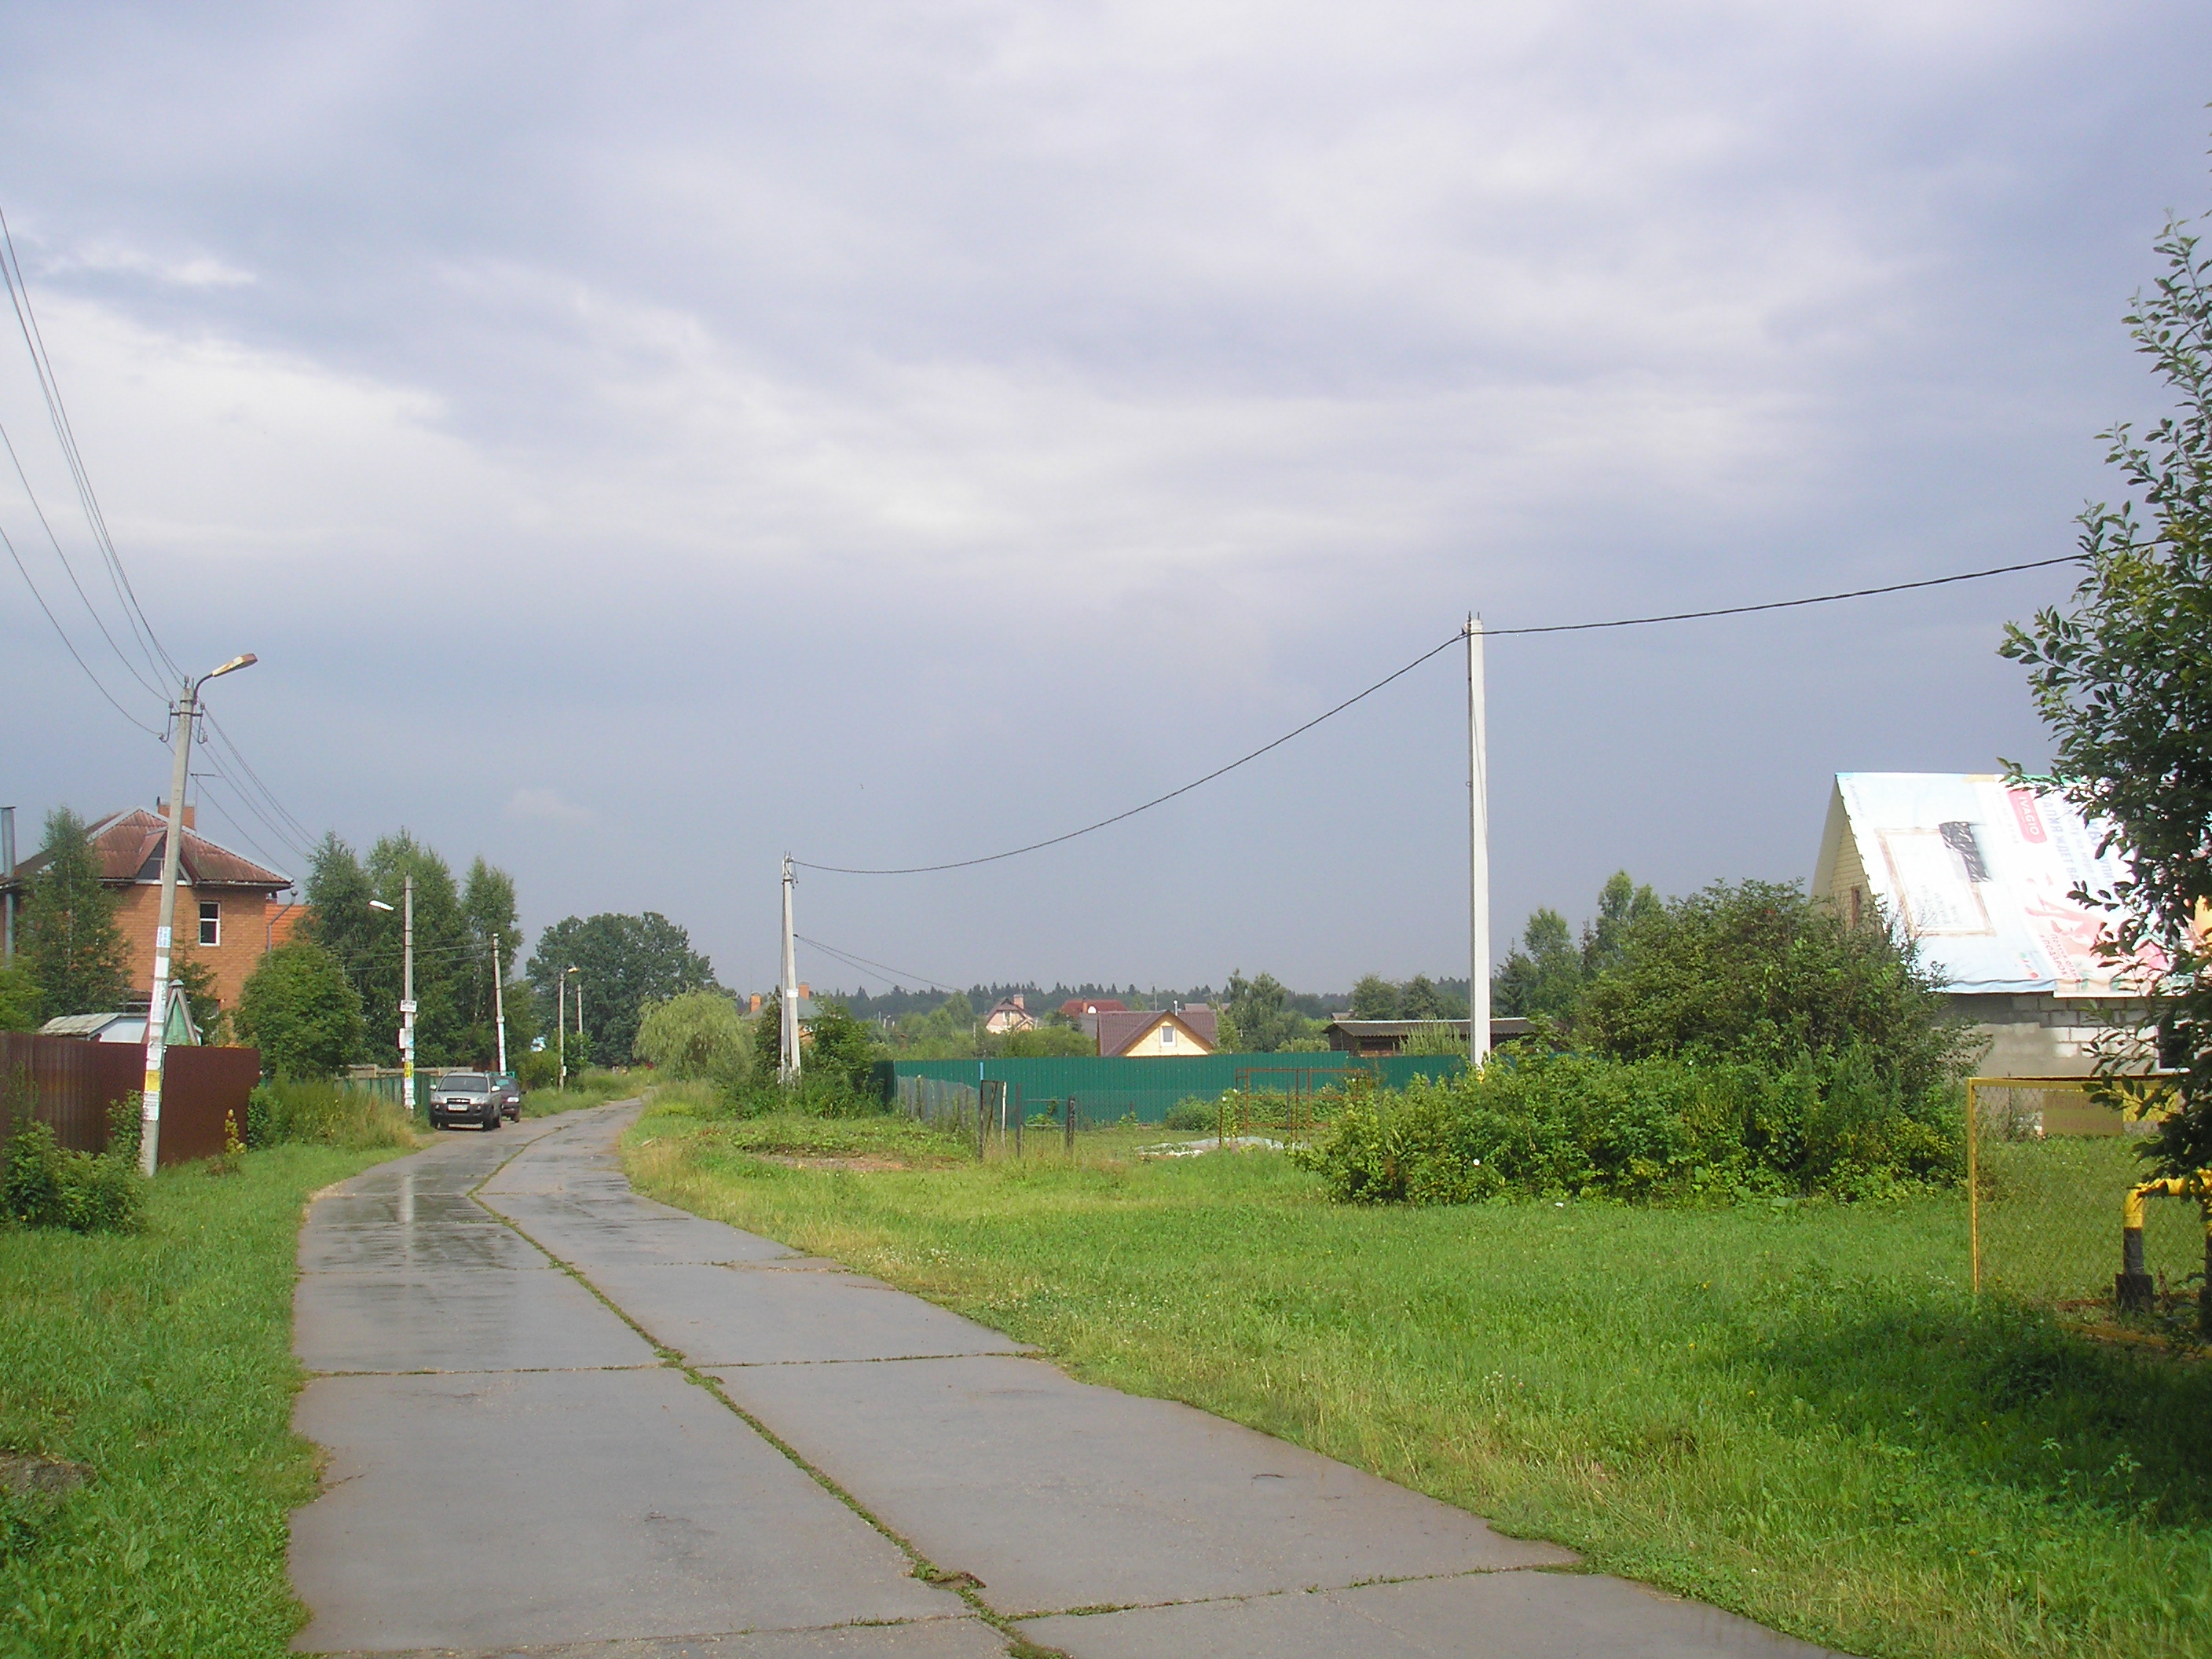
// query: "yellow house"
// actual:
[[1163, 1033]]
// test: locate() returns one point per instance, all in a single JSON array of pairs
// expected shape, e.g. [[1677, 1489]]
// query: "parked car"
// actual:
[[510, 1094], [464, 1097]]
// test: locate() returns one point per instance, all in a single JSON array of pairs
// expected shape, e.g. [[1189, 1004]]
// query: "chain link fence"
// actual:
[[2050, 1162]]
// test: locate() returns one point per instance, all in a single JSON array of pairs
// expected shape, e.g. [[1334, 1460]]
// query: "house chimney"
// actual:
[[756, 1007], [806, 991], [162, 811], [1018, 1003]]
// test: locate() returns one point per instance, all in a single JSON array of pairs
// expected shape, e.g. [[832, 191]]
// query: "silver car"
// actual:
[[465, 1098]]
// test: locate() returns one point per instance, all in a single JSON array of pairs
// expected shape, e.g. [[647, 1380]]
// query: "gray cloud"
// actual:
[[702, 432]]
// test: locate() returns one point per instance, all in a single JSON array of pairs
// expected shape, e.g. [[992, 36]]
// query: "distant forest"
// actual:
[[898, 1002]]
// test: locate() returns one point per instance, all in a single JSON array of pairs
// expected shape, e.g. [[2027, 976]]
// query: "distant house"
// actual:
[[226, 903], [1077, 1007], [1010, 1014], [1186, 1031], [1978, 873], [1390, 1036]]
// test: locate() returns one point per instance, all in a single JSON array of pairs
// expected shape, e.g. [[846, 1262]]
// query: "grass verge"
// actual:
[[1792, 1410], [591, 1088], [163, 1363]]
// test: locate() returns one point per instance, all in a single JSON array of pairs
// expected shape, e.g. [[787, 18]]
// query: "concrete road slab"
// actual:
[[1501, 1615], [388, 1247], [609, 1234], [457, 1320], [746, 1316], [570, 1506], [395, 1206], [936, 1638], [1060, 1495]]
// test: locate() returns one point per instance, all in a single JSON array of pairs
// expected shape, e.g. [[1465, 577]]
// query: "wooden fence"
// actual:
[[71, 1086]]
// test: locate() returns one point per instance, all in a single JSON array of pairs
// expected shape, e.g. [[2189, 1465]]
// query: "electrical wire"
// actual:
[[305, 835], [69, 645], [863, 963], [1436, 651]]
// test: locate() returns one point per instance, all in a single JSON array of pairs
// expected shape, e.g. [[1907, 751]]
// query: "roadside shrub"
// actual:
[[1192, 1114], [44, 1185], [322, 1114], [1580, 1126]]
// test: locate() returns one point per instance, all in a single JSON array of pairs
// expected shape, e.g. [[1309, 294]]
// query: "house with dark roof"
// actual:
[[226, 902], [1010, 1014], [1191, 1029]]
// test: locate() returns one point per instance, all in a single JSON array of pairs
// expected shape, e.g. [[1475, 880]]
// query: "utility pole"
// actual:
[[788, 1073], [499, 1002], [561, 1022], [1478, 850], [8, 857], [157, 1008], [407, 996]]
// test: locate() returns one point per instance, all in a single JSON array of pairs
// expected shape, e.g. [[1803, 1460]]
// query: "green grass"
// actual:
[[1795, 1411], [164, 1362]]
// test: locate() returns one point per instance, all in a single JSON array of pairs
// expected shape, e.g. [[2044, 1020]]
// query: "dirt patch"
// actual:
[[27, 1472]]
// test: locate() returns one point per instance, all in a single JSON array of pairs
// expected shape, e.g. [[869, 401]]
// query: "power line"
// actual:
[[1436, 651], [69, 645], [862, 963]]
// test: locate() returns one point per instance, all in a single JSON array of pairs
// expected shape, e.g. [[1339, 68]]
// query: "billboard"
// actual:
[[1982, 875]]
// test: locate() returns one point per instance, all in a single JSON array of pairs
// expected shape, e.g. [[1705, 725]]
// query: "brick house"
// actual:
[[227, 911]]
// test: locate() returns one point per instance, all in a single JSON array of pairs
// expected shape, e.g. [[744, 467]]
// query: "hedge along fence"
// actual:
[[72, 1084], [1147, 1089]]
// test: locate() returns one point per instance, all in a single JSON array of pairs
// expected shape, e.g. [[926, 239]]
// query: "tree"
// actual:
[[19, 999], [695, 1034], [1374, 997], [1420, 1000], [300, 1010], [1258, 1014], [1761, 972], [2124, 682], [70, 941], [1621, 905], [1543, 974], [626, 962], [839, 1047]]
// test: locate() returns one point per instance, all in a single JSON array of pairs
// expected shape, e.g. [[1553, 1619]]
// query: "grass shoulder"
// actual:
[[1795, 1411], [160, 1363]]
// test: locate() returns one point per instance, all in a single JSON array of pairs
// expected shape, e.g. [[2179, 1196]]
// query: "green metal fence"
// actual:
[[1145, 1088]]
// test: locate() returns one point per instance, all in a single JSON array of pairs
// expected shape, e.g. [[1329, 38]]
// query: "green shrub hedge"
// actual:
[[1578, 1126], [42, 1184]]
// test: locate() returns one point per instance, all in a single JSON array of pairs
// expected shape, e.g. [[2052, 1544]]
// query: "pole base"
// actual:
[[2134, 1292]]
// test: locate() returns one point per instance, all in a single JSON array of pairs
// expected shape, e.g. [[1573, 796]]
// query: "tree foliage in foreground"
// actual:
[[2124, 681]]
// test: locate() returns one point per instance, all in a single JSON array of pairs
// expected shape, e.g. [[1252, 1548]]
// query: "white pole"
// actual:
[[407, 997], [499, 1002], [561, 1021], [157, 1010], [1478, 849], [789, 990]]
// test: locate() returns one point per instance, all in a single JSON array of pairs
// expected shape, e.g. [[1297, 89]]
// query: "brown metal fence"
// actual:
[[70, 1084]]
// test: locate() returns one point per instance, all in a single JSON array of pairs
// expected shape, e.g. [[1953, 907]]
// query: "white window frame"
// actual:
[[211, 917], [1167, 1034]]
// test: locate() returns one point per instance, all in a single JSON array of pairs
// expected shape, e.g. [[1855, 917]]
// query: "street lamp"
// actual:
[[157, 1011]]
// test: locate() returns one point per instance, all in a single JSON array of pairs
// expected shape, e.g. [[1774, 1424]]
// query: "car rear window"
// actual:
[[465, 1082]]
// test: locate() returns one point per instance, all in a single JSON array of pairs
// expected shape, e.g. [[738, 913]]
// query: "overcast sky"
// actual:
[[643, 439]]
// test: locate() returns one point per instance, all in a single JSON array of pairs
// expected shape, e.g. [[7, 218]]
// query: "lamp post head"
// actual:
[[235, 662], [378, 904]]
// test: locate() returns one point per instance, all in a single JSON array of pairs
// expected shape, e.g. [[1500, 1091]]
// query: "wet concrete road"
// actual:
[[534, 1388]]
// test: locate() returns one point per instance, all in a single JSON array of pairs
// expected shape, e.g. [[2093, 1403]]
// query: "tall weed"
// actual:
[[289, 1111]]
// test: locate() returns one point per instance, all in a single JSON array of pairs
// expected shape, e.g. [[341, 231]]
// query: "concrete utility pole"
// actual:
[[8, 857], [561, 1022], [157, 1009], [1478, 850], [499, 1002], [787, 1072], [407, 996]]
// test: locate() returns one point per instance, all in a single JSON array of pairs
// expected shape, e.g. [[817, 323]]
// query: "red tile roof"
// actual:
[[1075, 1006], [129, 845]]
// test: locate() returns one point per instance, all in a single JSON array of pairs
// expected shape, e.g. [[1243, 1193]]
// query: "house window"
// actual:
[[1167, 1036], [211, 922]]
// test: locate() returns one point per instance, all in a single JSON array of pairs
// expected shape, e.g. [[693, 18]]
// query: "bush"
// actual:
[[1192, 1114], [43, 1185], [1580, 1126], [323, 1113]]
